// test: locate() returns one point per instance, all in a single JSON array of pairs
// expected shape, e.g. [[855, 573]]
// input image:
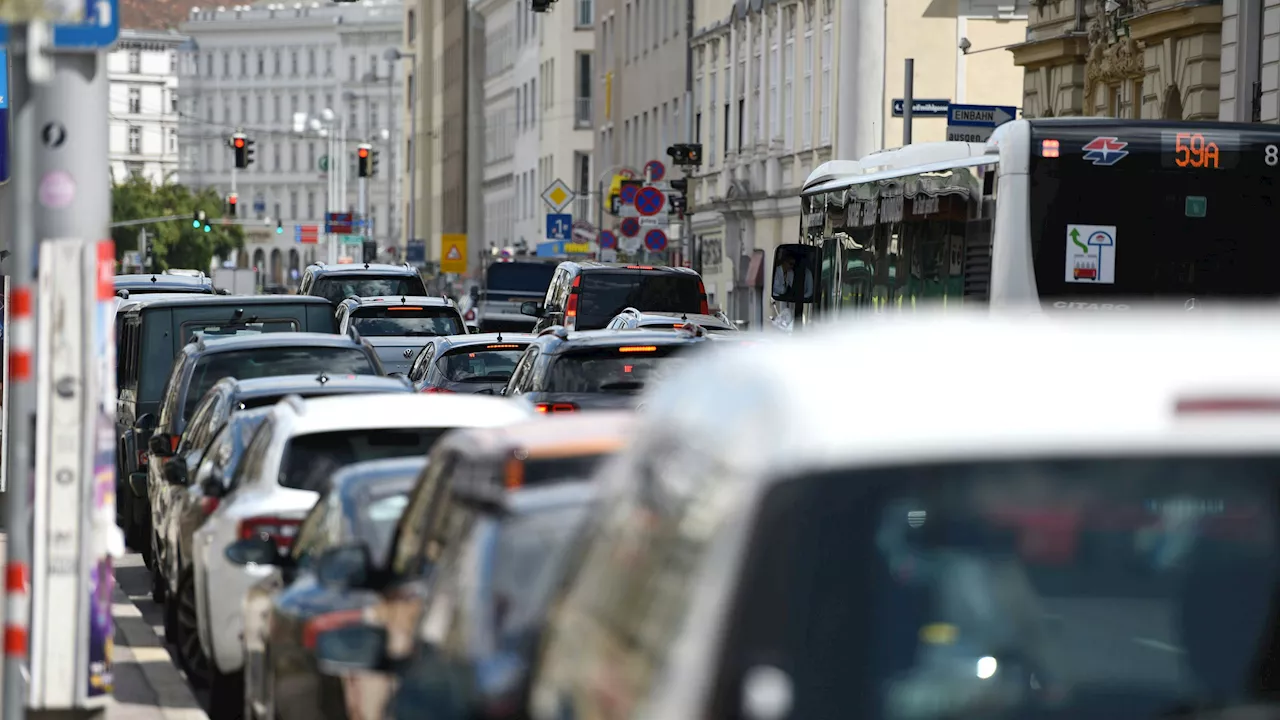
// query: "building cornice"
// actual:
[[1183, 19], [1071, 47]]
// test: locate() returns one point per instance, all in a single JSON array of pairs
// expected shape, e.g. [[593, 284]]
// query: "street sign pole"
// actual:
[[364, 205]]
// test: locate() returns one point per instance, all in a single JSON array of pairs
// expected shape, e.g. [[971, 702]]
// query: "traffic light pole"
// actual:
[[689, 130], [363, 186]]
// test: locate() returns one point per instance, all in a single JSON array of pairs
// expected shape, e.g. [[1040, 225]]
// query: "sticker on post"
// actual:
[[57, 189], [1091, 254]]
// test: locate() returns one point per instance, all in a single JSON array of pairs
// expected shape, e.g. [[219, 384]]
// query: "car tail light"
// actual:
[[173, 443], [513, 474], [435, 390], [704, 307], [571, 310], [639, 267], [638, 349], [208, 505], [279, 530], [1228, 405], [548, 408], [1050, 148], [312, 628]]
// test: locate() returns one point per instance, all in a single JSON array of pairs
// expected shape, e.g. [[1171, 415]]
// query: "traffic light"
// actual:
[[541, 6], [279, 227], [373, 163], [680, 185], [364, 160], [248, 152], [240, 146], [232, 201], [197, 219], [686, 154]]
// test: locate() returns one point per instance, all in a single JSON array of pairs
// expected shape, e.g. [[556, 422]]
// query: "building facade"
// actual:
[[498, 191], [143, 74], [1136, 58], [567, 98], [1250, 59], [261, 69]]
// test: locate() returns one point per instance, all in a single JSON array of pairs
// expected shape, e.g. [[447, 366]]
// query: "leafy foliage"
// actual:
[[175, 243]]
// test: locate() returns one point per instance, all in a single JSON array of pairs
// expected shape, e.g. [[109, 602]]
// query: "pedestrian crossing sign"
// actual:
[[454, 259]]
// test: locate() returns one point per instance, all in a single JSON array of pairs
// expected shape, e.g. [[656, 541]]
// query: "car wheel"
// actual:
[[186, 632]]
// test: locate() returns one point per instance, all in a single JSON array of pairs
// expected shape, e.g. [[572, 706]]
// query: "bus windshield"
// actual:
[[1153, 211]]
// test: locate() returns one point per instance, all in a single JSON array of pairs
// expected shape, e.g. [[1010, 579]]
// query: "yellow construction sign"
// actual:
[[453, 257]]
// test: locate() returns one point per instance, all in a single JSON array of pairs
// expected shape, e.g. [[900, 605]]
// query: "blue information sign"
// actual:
[[416, 252], [559, 226], [4, 115], [100, 29], [919, 108]]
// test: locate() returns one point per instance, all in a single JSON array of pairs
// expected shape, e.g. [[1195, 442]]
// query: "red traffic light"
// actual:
[[239, 142], [363, 152]]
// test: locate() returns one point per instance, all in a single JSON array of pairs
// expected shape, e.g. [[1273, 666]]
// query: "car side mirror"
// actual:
[[793, 276], [146, 423], [354, 647], [345, 566], [175, 471], [531, 308], [161, 445], [253, 551]]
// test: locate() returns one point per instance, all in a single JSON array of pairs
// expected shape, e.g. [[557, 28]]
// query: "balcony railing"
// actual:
[[582, 113]]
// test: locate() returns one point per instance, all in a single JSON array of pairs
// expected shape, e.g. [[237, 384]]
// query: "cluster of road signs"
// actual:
[[645, 211], [97, 29], [965, 123]]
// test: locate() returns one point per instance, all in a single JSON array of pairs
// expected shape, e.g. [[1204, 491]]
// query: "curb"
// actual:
[[173, 694]]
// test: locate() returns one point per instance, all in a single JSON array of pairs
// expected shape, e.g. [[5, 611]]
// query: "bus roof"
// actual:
[[893, 159]]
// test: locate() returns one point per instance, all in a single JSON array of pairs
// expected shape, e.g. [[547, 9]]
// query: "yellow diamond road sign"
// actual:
[[557, 195]]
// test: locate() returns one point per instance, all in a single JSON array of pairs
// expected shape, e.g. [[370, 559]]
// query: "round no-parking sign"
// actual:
[[655, 240]]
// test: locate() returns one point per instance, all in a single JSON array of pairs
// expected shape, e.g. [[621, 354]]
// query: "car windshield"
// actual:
[[615, 369], [531, 554], [378, 518], [480, 363], [339, 287], [274, 362], [311, 460], [214, 330], [406, 320], [1117, 588], [605, 294]]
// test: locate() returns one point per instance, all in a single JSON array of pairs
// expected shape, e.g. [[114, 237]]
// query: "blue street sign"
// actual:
[[559, 226], [980, 115], [649, 201], [4, 116], [100, 29], [627, 194], [297, 233], [259, 204], [922, 108], [655, 240], [416, 252]]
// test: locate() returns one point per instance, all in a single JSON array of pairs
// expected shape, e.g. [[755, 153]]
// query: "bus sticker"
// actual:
[[1091, 254]]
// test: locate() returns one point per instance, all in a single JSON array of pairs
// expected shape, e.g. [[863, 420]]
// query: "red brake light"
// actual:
[[173, 442], [436, 390], [404, 307], [471, 315], [1049, 148], [1228, 405], [208, 505], [501, 347], [279, 530], [571, 310], [638, 348], [639, 267], [329, 621], [548, 408], [703, 307]]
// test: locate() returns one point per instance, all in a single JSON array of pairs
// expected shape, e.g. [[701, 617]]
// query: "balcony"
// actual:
[[582, 113]]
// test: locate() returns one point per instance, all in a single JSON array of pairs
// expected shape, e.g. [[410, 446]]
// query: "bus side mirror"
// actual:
[[794, 279]]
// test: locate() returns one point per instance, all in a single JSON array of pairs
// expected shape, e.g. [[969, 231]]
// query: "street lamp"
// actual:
[[392, 55], [329, 125]]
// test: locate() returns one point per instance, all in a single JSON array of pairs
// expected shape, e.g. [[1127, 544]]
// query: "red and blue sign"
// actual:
[[627, 194], [607, 240], [4, 115], [630, 227], [655, 170], [1105, 151], [655, 240], [649, 201]]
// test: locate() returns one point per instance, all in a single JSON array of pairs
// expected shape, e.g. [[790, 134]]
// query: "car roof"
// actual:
[[450, 342], [391, 475], [400, 300], [179, 300], [274, 339], [546, 497], [710, 321], [362, 269], [553, 436], [410, 410], [1041, 385], [162, 279], [614, 338], [285, 384], [599, 266]]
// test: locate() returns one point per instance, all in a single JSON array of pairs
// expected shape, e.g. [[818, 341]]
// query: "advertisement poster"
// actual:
[[101, 576]]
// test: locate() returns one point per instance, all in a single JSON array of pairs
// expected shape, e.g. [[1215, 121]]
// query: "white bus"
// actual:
[[1071, 213]]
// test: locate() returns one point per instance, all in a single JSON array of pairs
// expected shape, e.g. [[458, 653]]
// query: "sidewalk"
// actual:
[[148, 686]]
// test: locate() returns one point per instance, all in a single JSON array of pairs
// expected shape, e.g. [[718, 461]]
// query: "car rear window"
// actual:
[[311, 460], [602, 295], [545, 471], [274, 362], [265, 400], [337, 288], [615, 369], [215, 330], [411, 320], [481, 363]]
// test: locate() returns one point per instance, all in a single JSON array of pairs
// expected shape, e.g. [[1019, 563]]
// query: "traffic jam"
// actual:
[[921, 490]]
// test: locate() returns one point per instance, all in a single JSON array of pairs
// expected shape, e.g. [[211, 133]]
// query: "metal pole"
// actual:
[[363, 185], [686, 242], [335, 165], [391, 156], [908, 100], [19, 437], [413, 156]]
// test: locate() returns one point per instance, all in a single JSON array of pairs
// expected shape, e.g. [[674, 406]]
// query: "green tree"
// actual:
[[175, 243]]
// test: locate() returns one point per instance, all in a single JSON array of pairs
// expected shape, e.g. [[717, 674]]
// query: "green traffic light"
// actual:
[[195, 223], [207, 228], [279, 230]]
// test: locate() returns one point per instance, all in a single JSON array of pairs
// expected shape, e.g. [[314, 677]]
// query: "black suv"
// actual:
[[563, 371], [336, 283], [587, 295], [204, 362]]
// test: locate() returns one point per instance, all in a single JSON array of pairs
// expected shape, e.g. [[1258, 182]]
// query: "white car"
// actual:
[[288, 462]]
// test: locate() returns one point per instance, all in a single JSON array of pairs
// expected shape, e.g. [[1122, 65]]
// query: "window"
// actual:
[[275, 163], [135, 62], [262, 64], [293, 204], [352, 62], [311, 62], [311, 156], [582, 105], [824, 114], [586, 13], [173, 141], [328, 62], [226, 64], [806, 102], [244, 64], [373, 116], [275, 108], [244, 108], [135, 101], [789, 86], [275, 63], [711, 117], [293, 63], [293, 155], [173, 101], [775, 124], [135, 140], [311, 205], [411, 27], [261, 103]]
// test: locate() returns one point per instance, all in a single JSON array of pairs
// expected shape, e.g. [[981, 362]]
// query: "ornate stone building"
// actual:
[[1155, 59]]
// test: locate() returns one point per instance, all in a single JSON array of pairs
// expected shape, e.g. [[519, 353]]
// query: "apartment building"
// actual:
[[143, 74], [1162, 59], [254, 68], [498, 186]]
